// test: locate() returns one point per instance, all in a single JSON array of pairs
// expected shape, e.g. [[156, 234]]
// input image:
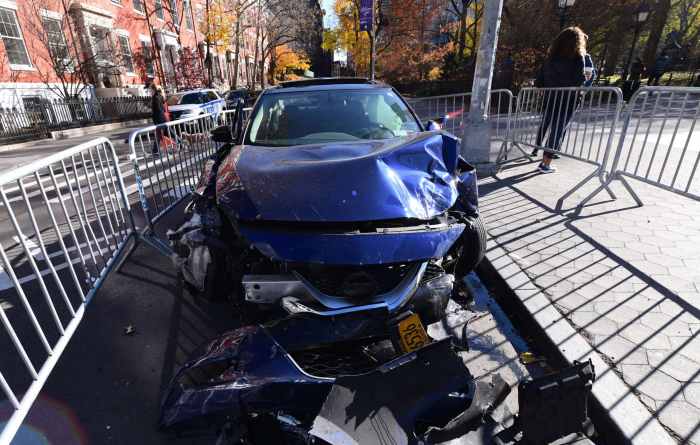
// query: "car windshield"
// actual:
[[298, 118], [185, 99]]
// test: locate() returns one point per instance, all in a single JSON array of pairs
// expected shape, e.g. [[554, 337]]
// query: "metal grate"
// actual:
[[344, 360], [355, 281]]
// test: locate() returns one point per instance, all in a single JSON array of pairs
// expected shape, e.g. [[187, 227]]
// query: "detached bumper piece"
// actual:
[[487, 397], [382, 407], [553, 409]]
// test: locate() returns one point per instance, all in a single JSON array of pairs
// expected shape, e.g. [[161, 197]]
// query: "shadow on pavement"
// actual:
[[107, 386], [621, 275]]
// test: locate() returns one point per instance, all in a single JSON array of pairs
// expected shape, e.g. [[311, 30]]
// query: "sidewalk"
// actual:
[[627, 279]]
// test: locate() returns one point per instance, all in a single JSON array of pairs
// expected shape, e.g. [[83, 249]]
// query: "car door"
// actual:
[[214, 103]]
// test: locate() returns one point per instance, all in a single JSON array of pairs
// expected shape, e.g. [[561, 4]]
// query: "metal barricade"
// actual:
[[453, 106], [659, 142], [456, 108], [576, 122], [168, 161], [66, 219], [227, 115]]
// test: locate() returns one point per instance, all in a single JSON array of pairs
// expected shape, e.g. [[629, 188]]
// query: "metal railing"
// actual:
[[39, 119], [659, 142], [576, 122], [456, 108], [168, 160], [227, 116], [66, 220]]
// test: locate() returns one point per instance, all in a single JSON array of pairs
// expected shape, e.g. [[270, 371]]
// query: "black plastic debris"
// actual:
[[556, 405], [381, 407], [487, 397]]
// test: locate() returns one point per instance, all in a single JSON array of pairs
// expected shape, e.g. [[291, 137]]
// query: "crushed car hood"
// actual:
[[410, 177]]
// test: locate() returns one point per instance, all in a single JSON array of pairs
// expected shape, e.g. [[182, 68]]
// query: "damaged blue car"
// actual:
[[333, 198], [339, 226]]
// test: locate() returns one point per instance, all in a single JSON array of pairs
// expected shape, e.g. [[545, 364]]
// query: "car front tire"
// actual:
[[473, 245]]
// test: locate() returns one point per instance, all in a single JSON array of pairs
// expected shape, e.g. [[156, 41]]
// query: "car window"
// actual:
[[192, 99], [284, 119], [212, 96]]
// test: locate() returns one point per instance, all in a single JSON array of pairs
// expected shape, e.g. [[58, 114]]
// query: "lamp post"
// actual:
[[641, 14], [563, 5]]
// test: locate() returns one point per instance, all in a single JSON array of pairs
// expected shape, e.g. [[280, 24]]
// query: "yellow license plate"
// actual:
[[412, 333]]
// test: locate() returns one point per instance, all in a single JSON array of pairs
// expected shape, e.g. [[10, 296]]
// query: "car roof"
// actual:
[[325, 83]]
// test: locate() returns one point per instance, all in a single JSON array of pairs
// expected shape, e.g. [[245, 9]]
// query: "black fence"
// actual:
[[38, 120]]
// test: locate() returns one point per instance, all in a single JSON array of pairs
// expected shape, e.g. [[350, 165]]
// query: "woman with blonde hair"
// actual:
[[565, 67]]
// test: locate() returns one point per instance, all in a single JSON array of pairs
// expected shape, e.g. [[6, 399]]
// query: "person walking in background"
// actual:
[[159, 115], [659, 69], [565, 66], [636, 72]]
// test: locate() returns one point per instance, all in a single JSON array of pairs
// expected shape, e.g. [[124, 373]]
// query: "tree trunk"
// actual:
[[616, 46], [656, 29], [257, 46], [613, 57]]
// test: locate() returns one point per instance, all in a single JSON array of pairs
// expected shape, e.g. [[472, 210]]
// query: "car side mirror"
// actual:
[[436, 124]]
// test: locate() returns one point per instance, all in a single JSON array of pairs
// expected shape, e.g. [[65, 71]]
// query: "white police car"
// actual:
[[195, 102]]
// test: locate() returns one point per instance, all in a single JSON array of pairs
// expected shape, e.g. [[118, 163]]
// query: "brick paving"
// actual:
[[627, 278]]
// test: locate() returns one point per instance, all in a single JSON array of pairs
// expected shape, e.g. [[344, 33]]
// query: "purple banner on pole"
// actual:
[[366, 15]]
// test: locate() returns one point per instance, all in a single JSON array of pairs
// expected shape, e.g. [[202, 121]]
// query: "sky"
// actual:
[[329, 19]]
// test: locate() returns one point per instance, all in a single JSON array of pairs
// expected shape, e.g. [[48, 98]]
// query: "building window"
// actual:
[[12, 38], [139, 6], [159, 9], [125, 53], [188, 14], [117, 2], [173, 12], [101, 44], [58, 48], [170, 60], [147, 56]]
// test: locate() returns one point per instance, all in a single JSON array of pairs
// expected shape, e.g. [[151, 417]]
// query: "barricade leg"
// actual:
[[604, 185], [503, 154]]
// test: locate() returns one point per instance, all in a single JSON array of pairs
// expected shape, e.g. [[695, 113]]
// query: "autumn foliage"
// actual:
[[288, 62], [421, 40]]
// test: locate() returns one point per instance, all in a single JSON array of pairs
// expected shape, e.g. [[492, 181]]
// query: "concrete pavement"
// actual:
[[621, 279]]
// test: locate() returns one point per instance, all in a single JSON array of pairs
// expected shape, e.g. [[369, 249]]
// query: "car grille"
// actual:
[[355, 282], [344, 359]]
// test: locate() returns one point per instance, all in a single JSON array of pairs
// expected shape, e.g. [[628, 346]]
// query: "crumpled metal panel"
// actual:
[[244, 370], [411, 177]]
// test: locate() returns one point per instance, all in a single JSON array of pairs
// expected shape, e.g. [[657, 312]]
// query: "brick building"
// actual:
[[115, 46]]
